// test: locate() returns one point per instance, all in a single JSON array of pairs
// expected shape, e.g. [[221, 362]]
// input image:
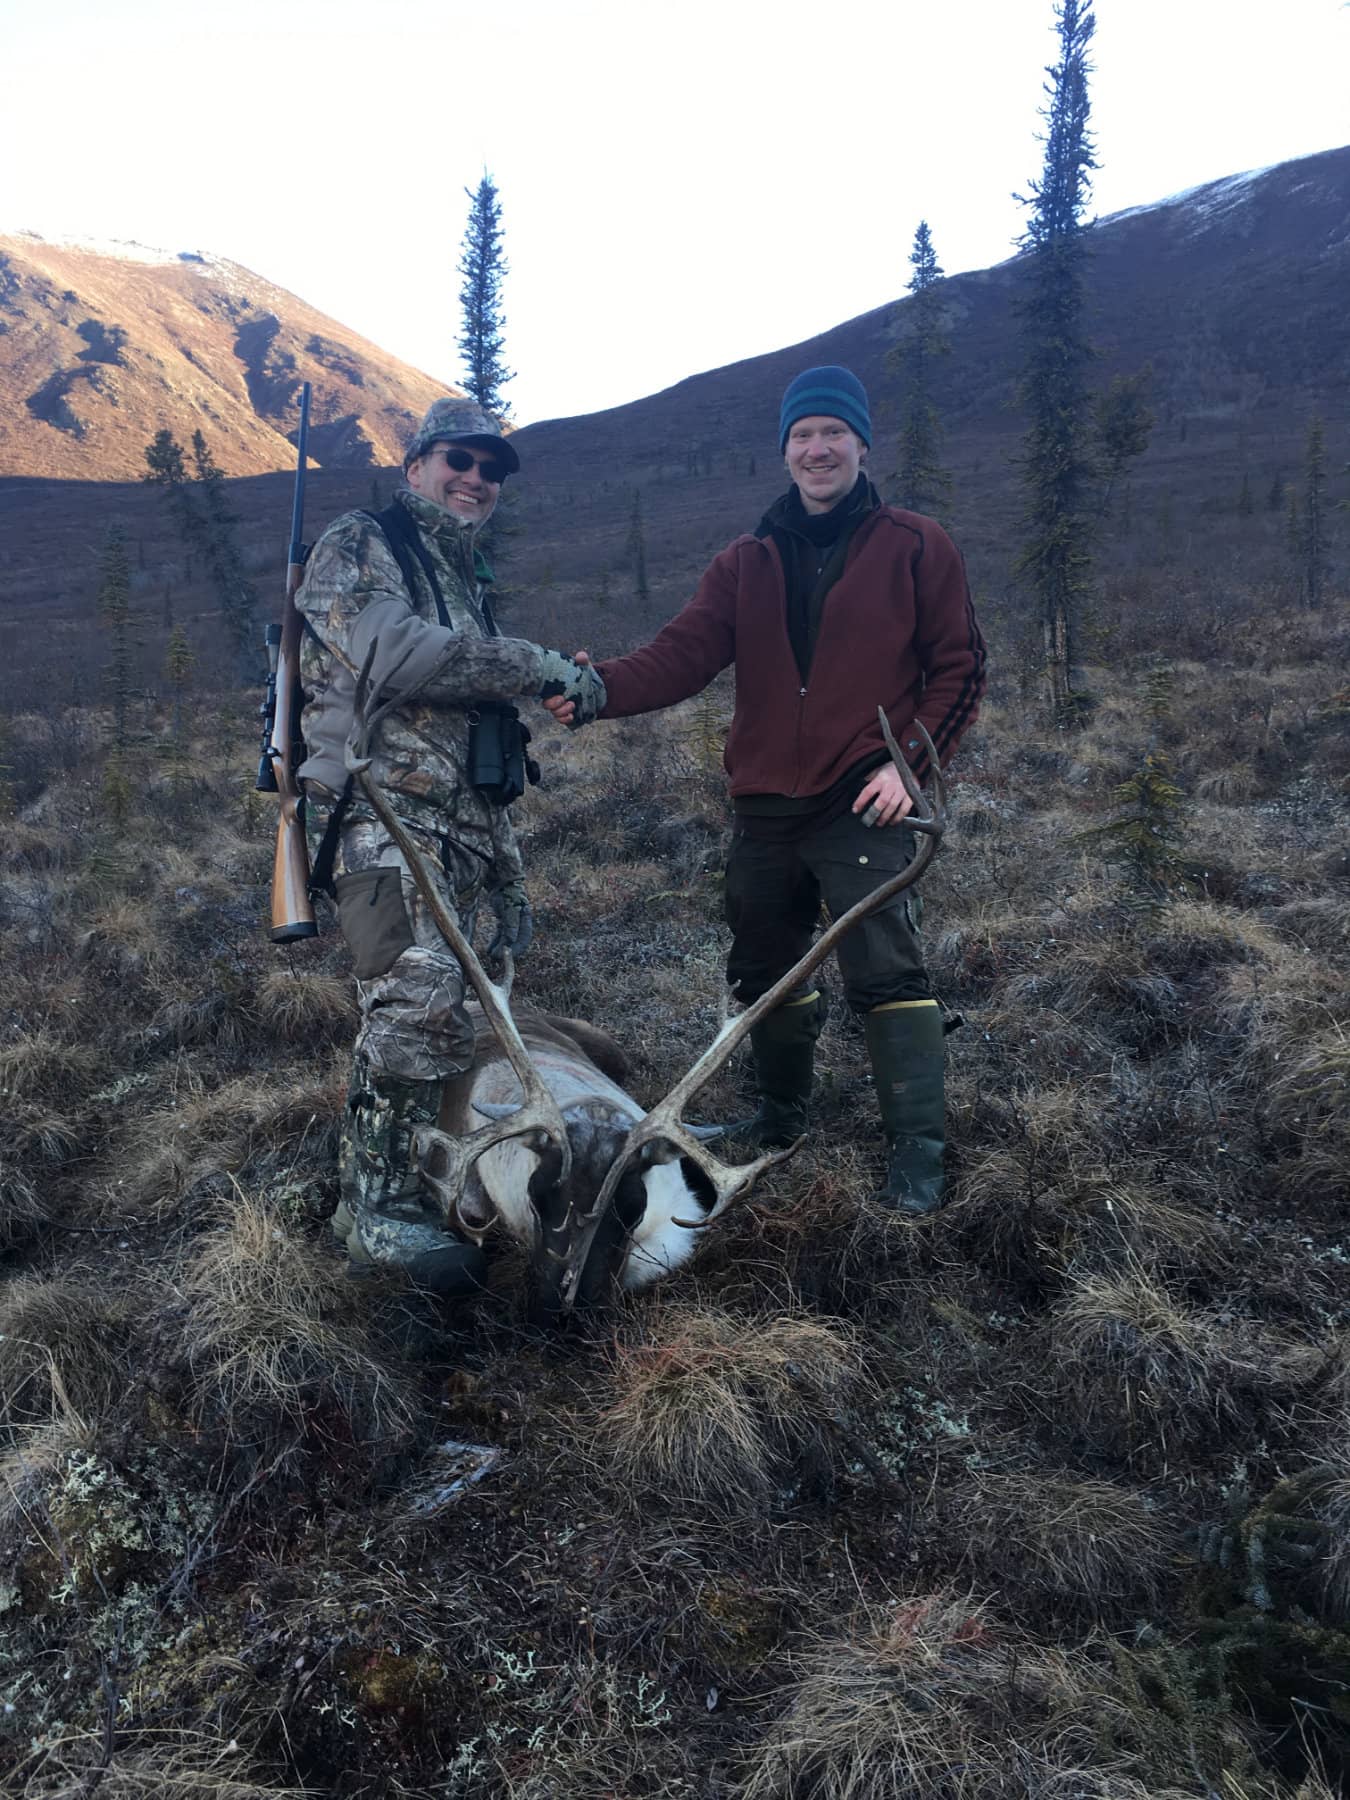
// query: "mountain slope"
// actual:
[[104, 347], [1233, 293]]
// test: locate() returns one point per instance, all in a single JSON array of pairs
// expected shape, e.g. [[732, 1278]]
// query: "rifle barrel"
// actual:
[[292, 910], [297, 550]]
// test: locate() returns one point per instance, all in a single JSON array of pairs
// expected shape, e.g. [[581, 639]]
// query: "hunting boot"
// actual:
[[385, 1218], [905, 1043], [783, 1045]]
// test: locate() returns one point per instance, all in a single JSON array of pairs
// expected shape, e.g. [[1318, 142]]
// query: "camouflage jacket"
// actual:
[[353, 596]]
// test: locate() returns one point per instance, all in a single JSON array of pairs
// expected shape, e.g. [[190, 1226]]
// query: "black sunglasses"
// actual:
[[461, 461]]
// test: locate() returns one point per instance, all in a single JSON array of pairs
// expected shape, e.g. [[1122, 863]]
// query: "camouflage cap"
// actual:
[[461, 421]]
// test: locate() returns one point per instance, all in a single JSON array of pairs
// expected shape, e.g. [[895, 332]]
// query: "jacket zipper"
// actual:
[[801, 692], [797, 778]]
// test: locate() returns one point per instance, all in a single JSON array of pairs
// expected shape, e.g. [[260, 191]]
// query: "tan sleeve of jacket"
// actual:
[[353, 599]]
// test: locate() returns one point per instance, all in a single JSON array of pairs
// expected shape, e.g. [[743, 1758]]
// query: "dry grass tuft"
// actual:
[[37, 847], [1090, 1542], [278, 1349], [43, 1066], [62, 1343], [1109, 982], [931, 1698], [1231, 786], [809, 1232], [1138, 1368], [309, 1008], [126, 940], [927, 1700], [1334, 1513], [185, 1765], [214, 1134], [22, 1207], [35, 1460], [1024, 1216], [1320, 921], [1312, 1088], [1195, 935], [709, 1406]]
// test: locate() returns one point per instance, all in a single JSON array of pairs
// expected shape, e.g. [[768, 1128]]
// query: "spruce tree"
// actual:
[[114, 610], [1312, 534], [484, 267], [1123, 423], [923, 485], [637, 550], [8, 803], [178, 665], [206, 526], [166, 467], [1056, 460], [238, 599]]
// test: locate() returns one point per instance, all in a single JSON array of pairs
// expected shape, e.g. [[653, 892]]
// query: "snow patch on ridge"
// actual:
[[124, 249], [1210, 201], [232, 276]]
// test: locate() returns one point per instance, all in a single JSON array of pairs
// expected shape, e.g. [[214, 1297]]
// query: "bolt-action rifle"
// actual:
[[283, 747]]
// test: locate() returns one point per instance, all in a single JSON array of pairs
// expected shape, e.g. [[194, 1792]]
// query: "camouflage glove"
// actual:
[[574, 681], [515, 921]]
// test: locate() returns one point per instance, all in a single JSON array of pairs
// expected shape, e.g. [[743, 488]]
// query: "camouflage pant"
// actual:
[[409, 985]]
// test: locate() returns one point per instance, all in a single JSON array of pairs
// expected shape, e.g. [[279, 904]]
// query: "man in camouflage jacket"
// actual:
[[438, 644]]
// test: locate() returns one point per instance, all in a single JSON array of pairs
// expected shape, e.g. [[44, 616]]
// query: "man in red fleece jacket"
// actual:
[[834, 606]]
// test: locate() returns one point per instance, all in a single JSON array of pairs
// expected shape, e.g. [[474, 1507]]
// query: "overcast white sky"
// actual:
[[684, 182]]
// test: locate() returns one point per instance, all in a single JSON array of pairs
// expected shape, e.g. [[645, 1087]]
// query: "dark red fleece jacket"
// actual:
[[898, 631]]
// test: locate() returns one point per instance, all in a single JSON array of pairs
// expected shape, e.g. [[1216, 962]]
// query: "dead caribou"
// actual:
[[599, 1192]]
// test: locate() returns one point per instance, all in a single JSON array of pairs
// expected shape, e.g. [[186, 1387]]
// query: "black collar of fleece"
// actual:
[[788, 514]]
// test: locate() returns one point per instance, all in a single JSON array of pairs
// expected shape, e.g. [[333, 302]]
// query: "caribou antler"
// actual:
[[539, 1116], [663, 1126]]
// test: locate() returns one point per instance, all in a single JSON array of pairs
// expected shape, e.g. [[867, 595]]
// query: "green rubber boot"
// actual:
[[384, 1218], [783, 1045], [905, 1042]]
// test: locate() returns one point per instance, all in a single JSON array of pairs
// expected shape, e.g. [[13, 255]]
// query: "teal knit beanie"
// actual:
[[830, 393]]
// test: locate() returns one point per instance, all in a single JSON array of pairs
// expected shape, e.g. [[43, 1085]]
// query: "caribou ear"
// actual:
[[496, 1109], [706, 1134]]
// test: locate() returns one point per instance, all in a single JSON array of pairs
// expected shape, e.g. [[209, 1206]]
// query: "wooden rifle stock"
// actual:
[[283, 747]]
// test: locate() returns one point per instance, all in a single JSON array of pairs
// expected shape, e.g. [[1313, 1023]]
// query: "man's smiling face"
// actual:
[[823, 458], [466, 493]]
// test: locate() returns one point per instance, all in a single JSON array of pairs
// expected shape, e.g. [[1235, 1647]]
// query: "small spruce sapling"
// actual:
[[178, 665], [114, 611], [1310, 538], [637, 550], [1146, 836]]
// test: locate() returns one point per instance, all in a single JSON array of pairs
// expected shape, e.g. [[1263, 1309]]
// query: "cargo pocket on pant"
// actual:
[[374, 919]]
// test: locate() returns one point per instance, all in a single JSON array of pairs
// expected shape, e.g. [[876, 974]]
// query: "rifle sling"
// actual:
[[321, 875]]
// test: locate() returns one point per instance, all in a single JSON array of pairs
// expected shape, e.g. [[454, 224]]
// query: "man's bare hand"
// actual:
[[561, 709], [884, 800]]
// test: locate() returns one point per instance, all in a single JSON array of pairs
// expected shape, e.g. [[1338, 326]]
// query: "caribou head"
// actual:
[[566, 1161]]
